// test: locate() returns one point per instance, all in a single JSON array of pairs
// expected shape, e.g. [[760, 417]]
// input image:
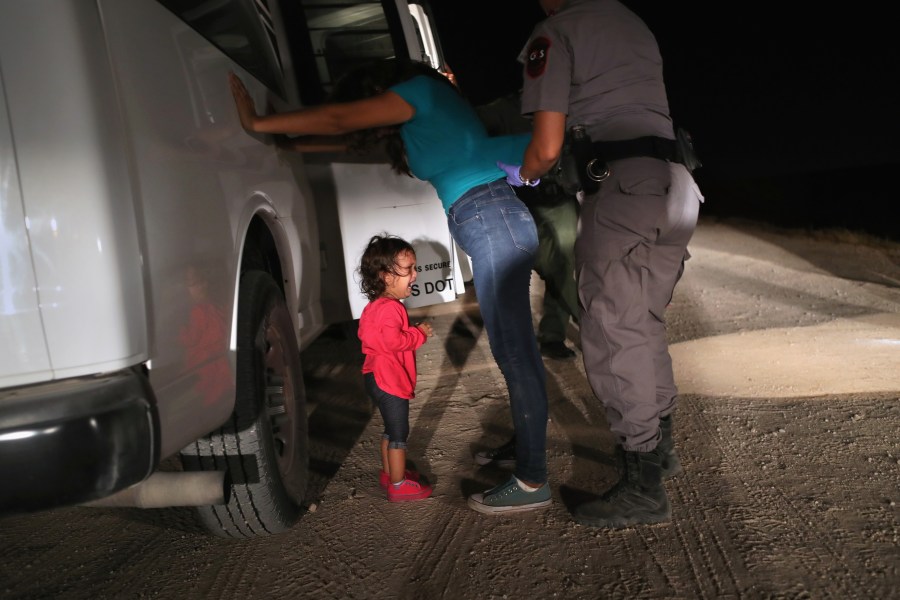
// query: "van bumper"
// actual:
[[73, 441]]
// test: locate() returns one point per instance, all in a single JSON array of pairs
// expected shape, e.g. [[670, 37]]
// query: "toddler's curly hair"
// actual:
[[379, 259]]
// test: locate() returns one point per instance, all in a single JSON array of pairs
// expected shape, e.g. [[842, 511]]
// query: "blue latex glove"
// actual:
[[513, 177]]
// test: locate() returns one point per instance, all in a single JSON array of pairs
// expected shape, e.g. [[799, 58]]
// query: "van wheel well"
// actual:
[[260, 252]]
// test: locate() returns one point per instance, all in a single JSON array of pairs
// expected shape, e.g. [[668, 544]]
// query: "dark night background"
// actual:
[[793, 110]]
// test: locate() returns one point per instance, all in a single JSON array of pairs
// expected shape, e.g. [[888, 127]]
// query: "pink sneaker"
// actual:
[[408, 490], [385, 478]]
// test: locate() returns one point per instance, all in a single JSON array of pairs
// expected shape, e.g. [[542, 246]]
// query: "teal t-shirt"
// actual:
[[447, 144]]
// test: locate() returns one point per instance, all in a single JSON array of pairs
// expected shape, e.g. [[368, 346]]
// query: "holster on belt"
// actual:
[[684, 150], [580, 161]]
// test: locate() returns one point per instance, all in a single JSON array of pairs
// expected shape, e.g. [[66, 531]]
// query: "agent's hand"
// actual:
[[513, 177], [245, 106], [426, 328]]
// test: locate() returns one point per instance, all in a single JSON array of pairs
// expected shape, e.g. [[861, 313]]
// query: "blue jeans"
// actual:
[[497, 231], [394, 412]]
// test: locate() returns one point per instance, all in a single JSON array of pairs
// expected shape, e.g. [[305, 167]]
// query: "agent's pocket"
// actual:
[[644, 177]]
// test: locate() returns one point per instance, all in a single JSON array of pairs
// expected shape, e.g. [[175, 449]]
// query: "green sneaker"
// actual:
[[509, 498]]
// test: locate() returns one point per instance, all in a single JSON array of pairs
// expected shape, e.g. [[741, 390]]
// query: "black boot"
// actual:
[[639, 497], [671, 464], [557, 350]]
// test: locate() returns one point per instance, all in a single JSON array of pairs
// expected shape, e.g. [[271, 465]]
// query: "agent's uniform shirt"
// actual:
[[599, 64], [389, 343], [447, 144]]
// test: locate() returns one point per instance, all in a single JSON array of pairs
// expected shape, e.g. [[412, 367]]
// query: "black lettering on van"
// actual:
[[438, 266], [438, 286]]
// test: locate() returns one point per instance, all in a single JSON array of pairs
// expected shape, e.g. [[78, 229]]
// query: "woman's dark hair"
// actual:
[[373, 79], [379, 259]]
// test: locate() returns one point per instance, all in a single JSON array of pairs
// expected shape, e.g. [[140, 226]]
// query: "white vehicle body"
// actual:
[[131, 206]]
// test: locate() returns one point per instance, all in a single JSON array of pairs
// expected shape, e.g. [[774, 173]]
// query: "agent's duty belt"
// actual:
[[650, 146], [584, 162]]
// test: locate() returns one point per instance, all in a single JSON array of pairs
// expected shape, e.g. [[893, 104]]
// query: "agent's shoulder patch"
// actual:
[[538, 50]]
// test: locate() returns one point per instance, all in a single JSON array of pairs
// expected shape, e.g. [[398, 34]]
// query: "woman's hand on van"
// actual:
[[245, 105]]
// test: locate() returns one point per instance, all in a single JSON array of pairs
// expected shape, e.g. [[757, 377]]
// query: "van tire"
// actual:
[[263, 447]]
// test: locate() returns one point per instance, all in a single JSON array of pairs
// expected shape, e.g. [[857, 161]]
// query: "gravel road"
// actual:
[[787, 353]]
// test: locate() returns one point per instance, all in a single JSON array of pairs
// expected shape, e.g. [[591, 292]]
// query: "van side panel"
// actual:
[[69, 143], [200, 182], [23, 354]]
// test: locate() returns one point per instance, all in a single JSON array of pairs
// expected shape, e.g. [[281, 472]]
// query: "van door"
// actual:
[[368, 197]]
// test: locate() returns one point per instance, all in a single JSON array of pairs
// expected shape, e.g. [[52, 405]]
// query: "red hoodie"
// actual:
[[389, 343]]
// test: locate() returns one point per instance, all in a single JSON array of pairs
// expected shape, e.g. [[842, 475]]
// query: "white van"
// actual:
[[160, 269]]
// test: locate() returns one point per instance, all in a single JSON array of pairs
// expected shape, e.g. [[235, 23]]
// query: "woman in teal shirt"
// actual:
[[434, 134]]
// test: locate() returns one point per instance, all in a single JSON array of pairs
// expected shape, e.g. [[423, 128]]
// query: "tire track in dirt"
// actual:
[[707, 542], [235, 573], [792, 532], [439, 555]]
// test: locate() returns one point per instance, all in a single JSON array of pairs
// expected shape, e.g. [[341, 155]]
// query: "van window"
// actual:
[[242, 30], [346, 34]]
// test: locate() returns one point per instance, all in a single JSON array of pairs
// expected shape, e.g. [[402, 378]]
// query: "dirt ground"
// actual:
[[787, 354]]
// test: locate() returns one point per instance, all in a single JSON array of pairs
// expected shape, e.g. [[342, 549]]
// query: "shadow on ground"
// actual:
[[340, 409]]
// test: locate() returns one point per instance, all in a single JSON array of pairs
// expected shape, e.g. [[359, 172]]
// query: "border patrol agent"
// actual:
[[595, 64]]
